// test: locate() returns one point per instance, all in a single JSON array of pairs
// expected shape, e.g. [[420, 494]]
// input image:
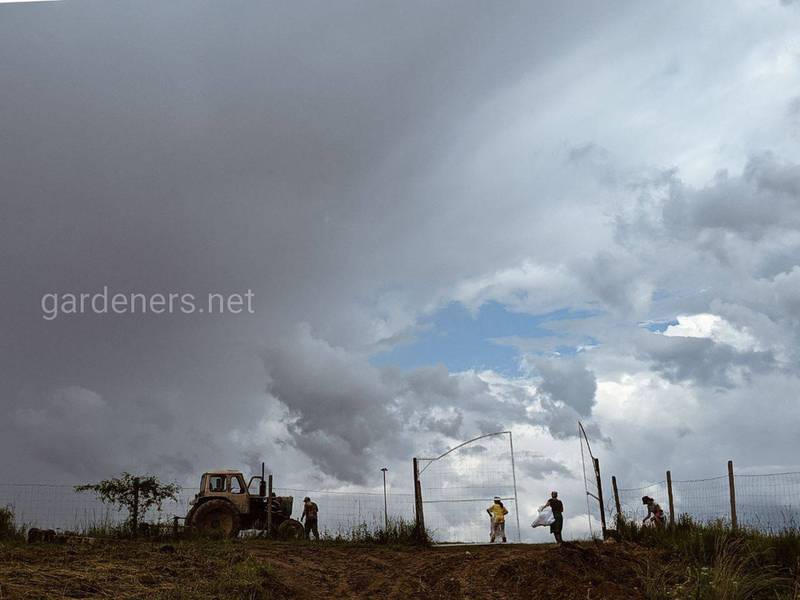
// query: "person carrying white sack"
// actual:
[[498, 513], [551, 513]]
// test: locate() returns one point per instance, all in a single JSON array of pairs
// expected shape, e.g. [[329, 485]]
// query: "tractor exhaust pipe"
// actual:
[[262, 487]]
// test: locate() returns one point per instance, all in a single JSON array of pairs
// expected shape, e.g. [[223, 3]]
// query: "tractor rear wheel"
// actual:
[[291, 530], [218, 518]]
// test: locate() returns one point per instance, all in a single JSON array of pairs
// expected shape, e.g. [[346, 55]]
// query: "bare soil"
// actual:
[[257, 569]]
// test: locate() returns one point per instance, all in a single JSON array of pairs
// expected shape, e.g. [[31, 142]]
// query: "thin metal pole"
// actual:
[[581, 436], [514, 477], [385, 504]]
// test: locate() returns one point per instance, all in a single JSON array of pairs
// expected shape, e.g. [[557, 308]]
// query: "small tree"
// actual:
[[133, 493]]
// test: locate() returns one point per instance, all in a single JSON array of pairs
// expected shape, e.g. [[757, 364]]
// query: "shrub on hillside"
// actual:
[[8, 526]]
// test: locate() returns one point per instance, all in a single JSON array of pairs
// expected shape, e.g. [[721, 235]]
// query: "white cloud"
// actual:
[[715, 328]]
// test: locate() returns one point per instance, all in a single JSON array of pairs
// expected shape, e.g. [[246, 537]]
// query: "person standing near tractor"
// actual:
[[498, 513], [310, 512], [558, 514]]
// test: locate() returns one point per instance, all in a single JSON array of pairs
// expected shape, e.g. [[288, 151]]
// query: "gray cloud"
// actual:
[[542, 467], [568, 381], [737, 204], [702, 361]]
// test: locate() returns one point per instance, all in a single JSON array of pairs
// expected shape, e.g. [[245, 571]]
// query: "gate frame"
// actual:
[[419, 516]]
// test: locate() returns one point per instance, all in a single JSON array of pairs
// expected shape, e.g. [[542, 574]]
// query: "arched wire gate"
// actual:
[[455, 489]]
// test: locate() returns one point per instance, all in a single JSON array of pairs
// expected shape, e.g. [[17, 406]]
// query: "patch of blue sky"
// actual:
[[658, 326], [460, 340]]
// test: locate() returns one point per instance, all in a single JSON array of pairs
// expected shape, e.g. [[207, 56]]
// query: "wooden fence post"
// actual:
[[135, 515], [671, 502], [734, 521], [600, 496], [419, 515], [617, 505]]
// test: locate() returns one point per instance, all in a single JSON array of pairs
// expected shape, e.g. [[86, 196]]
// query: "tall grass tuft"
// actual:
[[399, 532], [714, 562], [8, 527]]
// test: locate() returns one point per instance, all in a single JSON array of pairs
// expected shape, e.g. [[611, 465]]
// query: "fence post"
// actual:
[[175, 526], [734, 522], [671, 502], [135, 514], [600, 496], [419, 516], [269, 505], [616, 501]]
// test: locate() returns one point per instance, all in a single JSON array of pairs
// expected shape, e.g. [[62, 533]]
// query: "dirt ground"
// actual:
[[258, 569]]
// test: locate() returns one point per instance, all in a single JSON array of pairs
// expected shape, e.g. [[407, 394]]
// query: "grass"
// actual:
[[713, 562], [399, 532], [9, 531]]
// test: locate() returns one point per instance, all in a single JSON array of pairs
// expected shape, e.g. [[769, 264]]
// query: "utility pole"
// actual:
[[385, 505]]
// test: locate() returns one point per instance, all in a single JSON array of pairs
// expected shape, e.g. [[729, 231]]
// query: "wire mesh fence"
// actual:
[[630, 500], [459, 486], [61, 508], [340, 513], [769, 502], [765, 502]]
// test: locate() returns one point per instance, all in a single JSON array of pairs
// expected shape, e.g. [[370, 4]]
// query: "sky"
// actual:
[[454, 218]]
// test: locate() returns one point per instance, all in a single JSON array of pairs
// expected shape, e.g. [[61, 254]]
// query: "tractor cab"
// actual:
[[225, 484]]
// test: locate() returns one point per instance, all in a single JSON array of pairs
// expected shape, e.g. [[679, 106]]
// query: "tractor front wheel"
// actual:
[[217, 518], [291, 530]]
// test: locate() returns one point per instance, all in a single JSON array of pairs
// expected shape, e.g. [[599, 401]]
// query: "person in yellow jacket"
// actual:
[[498, 513]]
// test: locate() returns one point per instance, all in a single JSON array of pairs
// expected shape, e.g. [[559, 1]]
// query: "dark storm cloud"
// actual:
[[200, 146]]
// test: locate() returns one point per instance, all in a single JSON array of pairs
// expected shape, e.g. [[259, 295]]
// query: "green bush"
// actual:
[[133, 493]]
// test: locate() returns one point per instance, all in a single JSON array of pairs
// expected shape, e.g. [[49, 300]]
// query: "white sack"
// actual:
[[544, 518]]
